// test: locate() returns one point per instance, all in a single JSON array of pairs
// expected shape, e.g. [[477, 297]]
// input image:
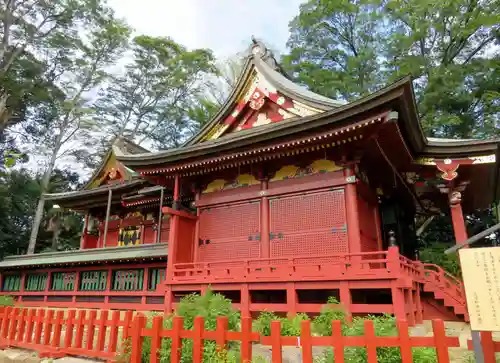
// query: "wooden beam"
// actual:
[[180, 213]]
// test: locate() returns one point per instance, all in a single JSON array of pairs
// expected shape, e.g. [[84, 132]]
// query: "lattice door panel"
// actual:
[[230, 232], [309, 225], [230, 221], [309, 243], [309, 211]]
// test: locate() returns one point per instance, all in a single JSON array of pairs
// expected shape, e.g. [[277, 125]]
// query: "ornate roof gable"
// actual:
[[263, 94], [111, 171]]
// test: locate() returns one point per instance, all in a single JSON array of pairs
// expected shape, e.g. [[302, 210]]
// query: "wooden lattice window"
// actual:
[[36, 282], [128, 280], [93, 280], [156, 276], [63, 281], [11, 283]]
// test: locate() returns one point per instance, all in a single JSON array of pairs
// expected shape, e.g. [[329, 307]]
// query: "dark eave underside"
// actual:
[[94, 256], [96, 193]]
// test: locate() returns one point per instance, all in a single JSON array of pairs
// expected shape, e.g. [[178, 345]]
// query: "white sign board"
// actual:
[[481, 275]]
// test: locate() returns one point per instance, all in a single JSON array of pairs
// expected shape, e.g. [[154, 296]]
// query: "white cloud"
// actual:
[[225, 26]]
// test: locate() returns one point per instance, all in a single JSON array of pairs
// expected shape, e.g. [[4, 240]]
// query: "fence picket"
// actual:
[[246, 339], [68, 335], [28, 337], [47, 328], [90, 329], [370, 343], [41, 330], [198, 330], [102, 329], [14, 320], [137, 338], [404, 342], [80, 324], [440, 341], [113, 331], [305, 341], [220, 332], [156, 339], [56, 338], [127, 323], [488, 347], [38, 326], [21, 326], [276, 342], [177, 325], [5, 323]]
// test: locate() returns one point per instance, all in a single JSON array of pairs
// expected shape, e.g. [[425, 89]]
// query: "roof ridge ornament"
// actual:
[[260, 50]]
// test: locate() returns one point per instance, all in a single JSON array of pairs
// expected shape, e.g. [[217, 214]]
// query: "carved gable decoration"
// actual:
[[260, 103], [242, 180], [316, 167]]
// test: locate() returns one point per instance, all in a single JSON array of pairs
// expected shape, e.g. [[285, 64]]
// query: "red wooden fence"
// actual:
[[83, 333]]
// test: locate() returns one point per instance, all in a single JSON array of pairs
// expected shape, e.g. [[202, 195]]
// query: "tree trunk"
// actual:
[[37, 221], [55, 236]]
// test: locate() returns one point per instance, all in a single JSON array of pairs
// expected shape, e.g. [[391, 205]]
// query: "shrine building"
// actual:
[[283, 199]]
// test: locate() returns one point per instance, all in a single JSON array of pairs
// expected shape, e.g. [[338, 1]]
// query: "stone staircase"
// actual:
[[446, 288]]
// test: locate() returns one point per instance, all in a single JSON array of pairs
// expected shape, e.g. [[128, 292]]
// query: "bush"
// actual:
[[384, 326], [434, 253], [289, 327], [7, 300], [209, 306]]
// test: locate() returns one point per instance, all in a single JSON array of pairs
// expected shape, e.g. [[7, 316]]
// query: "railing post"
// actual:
[[393, 263]]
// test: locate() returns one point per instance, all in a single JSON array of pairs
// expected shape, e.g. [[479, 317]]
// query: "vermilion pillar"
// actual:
[[174, 231], [264, 228], [457, 218], [197, 229], [352, 215]]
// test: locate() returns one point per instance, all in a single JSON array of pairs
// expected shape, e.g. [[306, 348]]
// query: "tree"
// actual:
[[19, 193], [81, 68], [346, 49], [149, 101], [27, 29]]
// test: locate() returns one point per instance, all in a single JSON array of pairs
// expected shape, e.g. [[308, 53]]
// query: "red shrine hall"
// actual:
[[283, 199]]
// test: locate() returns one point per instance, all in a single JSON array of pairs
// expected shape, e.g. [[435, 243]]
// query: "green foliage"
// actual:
[[434, 253], [158, 97], [6, 300], [384, 326], [209, 306], [19, 192], [289, 327], [346, 49]]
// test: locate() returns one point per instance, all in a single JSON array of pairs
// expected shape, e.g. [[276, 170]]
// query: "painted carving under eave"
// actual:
[[242, 180], [316, 167], [260, 104]]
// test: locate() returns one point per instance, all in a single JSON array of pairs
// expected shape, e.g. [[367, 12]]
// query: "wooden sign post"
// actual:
[[481, 275]]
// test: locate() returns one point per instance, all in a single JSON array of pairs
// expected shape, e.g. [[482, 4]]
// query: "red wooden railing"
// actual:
[[89, 334], [341, 266], [434, 274]]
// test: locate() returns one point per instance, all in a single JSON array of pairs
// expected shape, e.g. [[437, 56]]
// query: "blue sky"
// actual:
[[224, 26]]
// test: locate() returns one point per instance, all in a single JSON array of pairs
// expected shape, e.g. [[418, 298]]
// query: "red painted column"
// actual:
[[457, 218], [196, 229], [174, 233], [265, 251], [376, 216], [352, 215]]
